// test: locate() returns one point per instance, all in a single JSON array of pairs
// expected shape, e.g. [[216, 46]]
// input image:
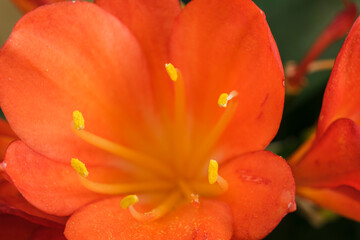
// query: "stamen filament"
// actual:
[[205, 189], [180, 129], [159, 211], [125, 153], [188, 193], [222, 183], [126, 188], [213, 137]]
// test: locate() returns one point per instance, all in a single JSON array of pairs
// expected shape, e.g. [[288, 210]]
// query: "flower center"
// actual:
[[177, 181]]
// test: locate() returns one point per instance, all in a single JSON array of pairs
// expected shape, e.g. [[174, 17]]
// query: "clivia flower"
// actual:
[[327, 167], [163, 113], [337, 29]]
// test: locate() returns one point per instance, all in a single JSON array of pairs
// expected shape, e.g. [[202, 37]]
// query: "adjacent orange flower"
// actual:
[[336, 30], [327, 167], [172, 152]]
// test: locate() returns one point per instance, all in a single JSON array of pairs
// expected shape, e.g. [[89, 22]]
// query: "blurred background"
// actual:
[[295, 25]]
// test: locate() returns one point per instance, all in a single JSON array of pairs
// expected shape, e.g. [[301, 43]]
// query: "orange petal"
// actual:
[[261, 192], [12, 202], [6, 136], [334, 159], [51, 187], [74, 56], [151, 22], [343, 200], [28, 5], [106, 219], [342, 98], [221, 46]]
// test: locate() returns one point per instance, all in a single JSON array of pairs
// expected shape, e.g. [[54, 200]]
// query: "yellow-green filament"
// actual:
[[205, 149], [125, 153], [126, 188], [159, 211]]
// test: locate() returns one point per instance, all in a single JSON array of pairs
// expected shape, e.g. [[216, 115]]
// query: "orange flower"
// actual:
[[145, 137], [327, 167], [336, 30]]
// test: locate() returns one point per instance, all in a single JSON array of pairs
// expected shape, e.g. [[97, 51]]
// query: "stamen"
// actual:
[[157, 212], [180, 140], [79, 121], [79, 167], [125, 153], [171, 70], [215, 133], [129, 201], [214, 177], [126, 188], [205, 189], [213, 171]]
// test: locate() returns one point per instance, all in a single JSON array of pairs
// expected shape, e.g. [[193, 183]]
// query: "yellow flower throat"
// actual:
[[168, 177]]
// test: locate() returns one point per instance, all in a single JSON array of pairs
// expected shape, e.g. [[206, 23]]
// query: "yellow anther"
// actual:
[[171, 70], [213, 171], [223, 99], [128, 201], [79, 167], [78, 119]]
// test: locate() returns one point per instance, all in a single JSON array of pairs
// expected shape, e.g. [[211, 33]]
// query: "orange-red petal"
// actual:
[[261, 192], [6, 136], [106, 220], [74, 56], [334, 159], [343, 200], [12, 202], [151, 22], [342, 98], [50, 186], [221, 46]]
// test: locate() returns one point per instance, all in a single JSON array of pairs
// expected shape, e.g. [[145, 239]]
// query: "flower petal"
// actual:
[[52, 187], [12, 202], [151, 22], [342, 98], [343, 200], [261, 192], [106, 219], [6, 136], [74, 56], [334, 159], [220, 46]]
